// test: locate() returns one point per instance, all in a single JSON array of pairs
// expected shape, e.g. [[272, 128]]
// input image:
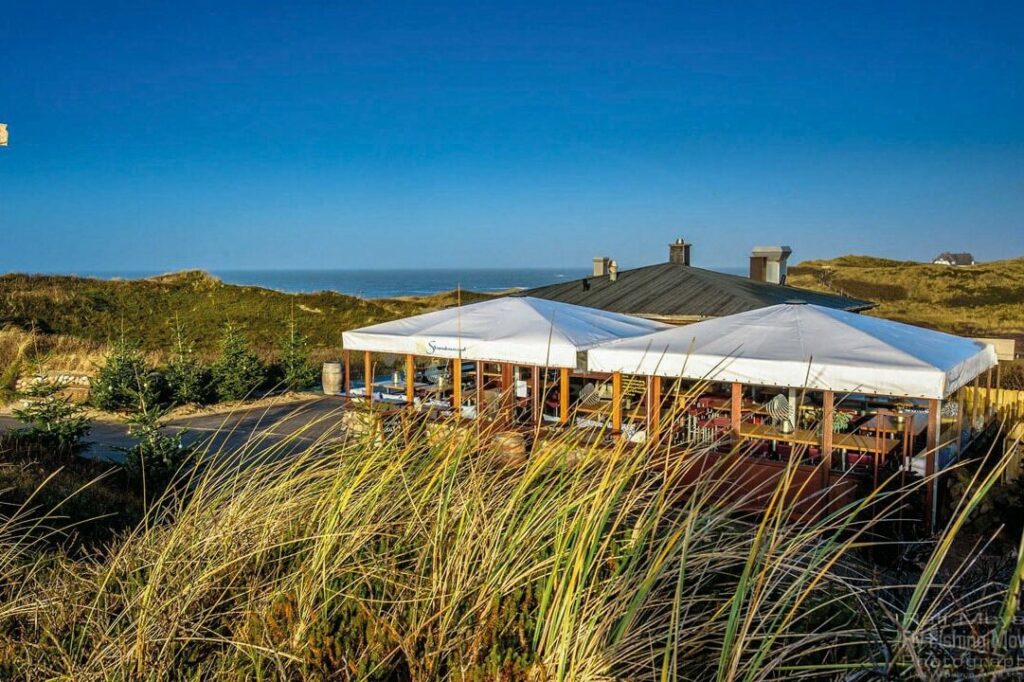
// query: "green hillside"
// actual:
[[96, 311], [979, 300]]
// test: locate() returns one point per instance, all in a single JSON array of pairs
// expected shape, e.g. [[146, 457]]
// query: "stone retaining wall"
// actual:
[[65, 379]]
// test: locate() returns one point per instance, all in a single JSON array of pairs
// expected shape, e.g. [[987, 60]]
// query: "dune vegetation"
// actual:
[[96, 311], [986, 299], [69, 324], [429, 554]]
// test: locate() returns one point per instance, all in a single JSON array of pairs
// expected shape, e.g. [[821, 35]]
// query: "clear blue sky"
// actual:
[[150, 135]]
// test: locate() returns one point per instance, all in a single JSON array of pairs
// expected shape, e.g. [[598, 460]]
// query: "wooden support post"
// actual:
[[959, 420], [617, 401], [536, 396], [410, 379], [934, 423], [508, 390], [998, 383], [931, 490], [648, 405], [907, 451], [975, 403], [368, 376], [828, 410], [457, 387], [563, 396], [655, 396], [347, 355], [876, 458], [988, 395], [736, 411], [479, 389]]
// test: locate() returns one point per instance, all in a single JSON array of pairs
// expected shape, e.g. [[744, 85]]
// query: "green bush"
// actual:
[[125, 379], [52, 419], [297, 372], [187, 379], [238, 371], [156, 457]]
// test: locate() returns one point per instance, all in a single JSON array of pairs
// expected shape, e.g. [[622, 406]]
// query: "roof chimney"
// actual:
[[768, 263], [613, 271], [601, 266], [679, 252]]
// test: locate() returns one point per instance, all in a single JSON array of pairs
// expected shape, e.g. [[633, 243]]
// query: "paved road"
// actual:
[[301, 422]]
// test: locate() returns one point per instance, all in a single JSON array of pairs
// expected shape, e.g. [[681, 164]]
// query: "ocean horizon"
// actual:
[[383, 283]]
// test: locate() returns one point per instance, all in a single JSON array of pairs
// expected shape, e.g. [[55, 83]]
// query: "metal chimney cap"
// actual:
[[778, 251]]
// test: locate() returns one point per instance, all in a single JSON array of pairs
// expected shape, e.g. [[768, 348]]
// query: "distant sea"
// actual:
[[387, 283]]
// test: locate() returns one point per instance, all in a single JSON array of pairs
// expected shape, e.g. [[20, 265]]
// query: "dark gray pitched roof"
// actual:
[[955, 258], [674, 290]]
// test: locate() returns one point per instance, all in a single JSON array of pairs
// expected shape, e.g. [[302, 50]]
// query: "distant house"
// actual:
[[948, 258]]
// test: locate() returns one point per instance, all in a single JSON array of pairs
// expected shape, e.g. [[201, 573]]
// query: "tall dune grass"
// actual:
[[363, 558]]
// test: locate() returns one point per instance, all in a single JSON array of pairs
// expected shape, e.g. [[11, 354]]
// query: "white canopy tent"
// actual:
[[514, 329], [805, 346]]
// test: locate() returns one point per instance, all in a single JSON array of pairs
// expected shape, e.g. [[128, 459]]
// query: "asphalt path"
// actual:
[[289, 425]]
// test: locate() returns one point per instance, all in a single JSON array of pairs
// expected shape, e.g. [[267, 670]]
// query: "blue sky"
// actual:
[[350, 135]]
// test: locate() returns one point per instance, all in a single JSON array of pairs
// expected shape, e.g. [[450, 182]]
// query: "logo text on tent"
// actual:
[[437, 347]]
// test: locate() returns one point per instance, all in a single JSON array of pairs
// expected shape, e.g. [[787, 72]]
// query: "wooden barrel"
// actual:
[[331, 378]]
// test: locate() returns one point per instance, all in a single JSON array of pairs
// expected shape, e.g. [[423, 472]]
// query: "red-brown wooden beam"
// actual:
[[535, 394], [410, 373], [988, 394], [479, 389], [347, 355], [457, 387], [368, 376], [563, 395], [959, 419], [617, 401], [828, 409], [508, 390], [975, 402], [736, 410], [655, 399], [934, 422]]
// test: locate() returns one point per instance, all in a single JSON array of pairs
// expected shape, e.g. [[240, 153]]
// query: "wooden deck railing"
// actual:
[[1004, 404]]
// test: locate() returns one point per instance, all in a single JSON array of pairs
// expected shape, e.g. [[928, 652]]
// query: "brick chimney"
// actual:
[[679, 252], [601, 265], [768, 263]]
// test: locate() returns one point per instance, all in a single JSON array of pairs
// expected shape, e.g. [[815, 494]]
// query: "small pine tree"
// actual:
[[297, 372], [237, 372], [186, 377], [157, 457], [121, 379], [52, 419]]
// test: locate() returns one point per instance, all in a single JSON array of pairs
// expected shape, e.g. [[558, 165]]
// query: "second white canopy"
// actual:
[[805, 346]]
